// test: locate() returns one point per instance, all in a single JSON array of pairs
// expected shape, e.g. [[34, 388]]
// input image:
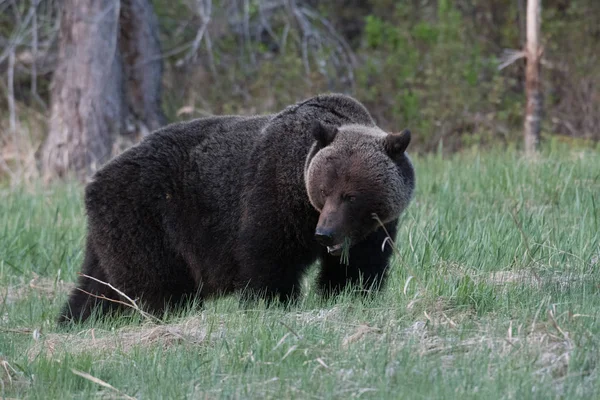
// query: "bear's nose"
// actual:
[[324, 237]]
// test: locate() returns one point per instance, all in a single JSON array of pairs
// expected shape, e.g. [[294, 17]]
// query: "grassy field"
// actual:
[[494, 293]]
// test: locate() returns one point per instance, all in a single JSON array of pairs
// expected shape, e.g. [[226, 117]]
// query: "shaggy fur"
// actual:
[[223, 204]]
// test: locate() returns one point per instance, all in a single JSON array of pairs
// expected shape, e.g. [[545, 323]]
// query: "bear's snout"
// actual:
[[330, 227], [324, 236]]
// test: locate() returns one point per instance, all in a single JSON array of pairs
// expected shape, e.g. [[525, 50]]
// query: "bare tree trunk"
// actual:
[[86, 103], [107, 83], [140, 47], [533, 112]]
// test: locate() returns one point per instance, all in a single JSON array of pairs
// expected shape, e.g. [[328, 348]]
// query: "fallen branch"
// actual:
[[131, 304]]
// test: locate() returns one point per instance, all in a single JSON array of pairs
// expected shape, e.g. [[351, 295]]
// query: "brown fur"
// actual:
[[355, 177], [216, 205]]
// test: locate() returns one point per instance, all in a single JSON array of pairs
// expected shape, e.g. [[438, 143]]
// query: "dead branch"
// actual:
[[319, 44], [510, 56], [203, 9], [131, 303]]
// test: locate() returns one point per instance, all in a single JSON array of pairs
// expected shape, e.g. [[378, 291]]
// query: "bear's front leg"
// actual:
[[274, 245], [271, 269], [269, 280], [367, 268]]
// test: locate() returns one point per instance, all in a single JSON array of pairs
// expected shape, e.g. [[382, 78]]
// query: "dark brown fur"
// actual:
[[217, 205]]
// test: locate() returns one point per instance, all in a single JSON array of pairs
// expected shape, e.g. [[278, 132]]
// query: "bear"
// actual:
[[245, 204]]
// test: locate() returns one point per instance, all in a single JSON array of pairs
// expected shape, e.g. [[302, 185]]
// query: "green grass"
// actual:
[[494, 293]]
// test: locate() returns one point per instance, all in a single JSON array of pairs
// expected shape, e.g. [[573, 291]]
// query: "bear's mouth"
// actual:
[[335, 250]]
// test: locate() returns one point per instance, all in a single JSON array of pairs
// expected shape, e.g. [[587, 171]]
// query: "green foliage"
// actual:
[[431, 66], [345, 257], [493, 293], [422, 69], [479, 296]]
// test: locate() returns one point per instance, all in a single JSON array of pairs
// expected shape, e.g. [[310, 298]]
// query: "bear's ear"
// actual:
[[323, 133], [395, 144]]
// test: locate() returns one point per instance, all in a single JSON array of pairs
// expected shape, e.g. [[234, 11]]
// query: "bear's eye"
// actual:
[[349, 198], [323, 193]]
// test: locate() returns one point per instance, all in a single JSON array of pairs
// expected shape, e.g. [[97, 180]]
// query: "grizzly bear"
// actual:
[[232, 203]]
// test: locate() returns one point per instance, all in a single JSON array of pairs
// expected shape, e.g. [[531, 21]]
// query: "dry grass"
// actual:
[[191, 331], [547, 343], [522, 277], [37, 287], [552, 350], [18, 149]]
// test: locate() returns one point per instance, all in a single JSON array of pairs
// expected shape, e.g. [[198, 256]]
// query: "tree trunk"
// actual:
[[106, 84], [533, 112], [140, 47]]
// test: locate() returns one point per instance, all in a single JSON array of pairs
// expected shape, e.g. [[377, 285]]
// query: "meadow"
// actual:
[[493, 293]]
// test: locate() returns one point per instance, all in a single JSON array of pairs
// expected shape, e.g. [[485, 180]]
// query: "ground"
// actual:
[[494, 293]]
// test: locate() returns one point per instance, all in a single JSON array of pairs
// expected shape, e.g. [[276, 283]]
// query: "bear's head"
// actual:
[[356, 176]]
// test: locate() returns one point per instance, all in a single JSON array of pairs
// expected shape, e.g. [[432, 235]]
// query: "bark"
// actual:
[[140, 47], [533, 112], [106, 84], [86, 104]]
